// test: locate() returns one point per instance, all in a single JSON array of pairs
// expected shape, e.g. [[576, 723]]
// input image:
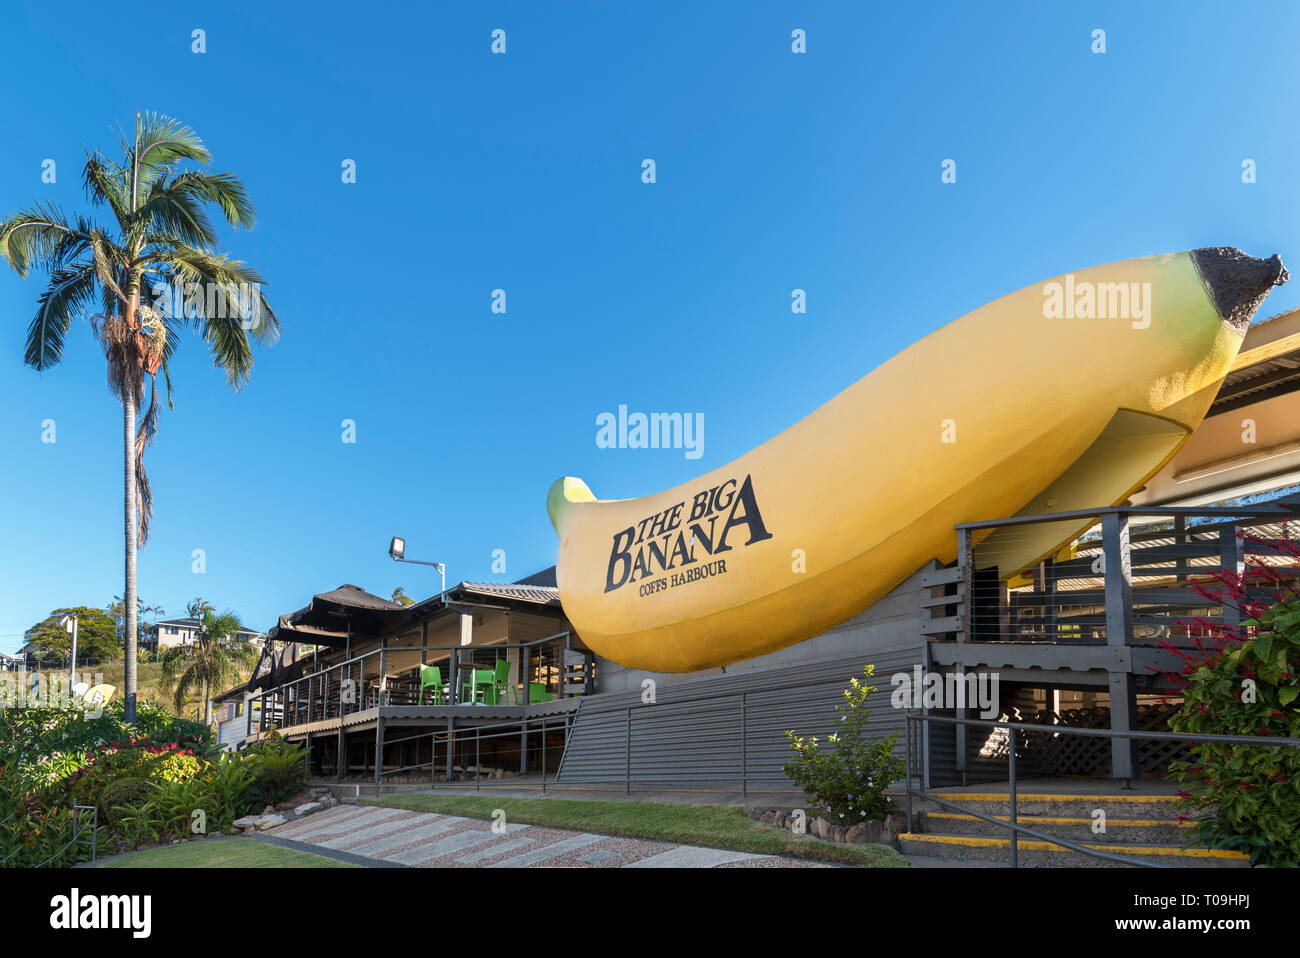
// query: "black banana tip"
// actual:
[[1238, 283]]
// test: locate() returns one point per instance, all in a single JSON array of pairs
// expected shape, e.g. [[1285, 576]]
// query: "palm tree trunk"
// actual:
[[129, 593], [207, 700]]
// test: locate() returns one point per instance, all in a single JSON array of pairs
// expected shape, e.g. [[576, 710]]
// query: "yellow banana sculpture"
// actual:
[[1067, 394]]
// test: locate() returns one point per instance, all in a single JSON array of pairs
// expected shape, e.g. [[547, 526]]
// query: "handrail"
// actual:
[[275, 702], [1013, 728], [1258, 512], [412, 648]]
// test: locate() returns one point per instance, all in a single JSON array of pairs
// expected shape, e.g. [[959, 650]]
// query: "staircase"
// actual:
[[1142, 826]]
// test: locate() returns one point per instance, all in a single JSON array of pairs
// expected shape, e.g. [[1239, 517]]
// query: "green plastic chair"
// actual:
[[536, 694], [495, 692], [481, 679], [431, 678]]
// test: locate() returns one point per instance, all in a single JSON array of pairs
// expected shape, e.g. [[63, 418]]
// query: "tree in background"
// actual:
[[50, 643], [146, 619], [158, 239], [401, 598], [216, 658]]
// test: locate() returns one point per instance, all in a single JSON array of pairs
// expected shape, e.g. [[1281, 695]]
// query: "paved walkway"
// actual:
[[388, 837]]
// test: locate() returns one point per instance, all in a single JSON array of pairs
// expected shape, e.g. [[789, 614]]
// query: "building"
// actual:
[[1080, 637], [183, 631]]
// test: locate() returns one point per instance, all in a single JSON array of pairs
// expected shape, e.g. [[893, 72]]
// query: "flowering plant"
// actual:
[[848, 777]]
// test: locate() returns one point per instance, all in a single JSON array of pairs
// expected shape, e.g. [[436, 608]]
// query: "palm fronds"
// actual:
[[160, 232]]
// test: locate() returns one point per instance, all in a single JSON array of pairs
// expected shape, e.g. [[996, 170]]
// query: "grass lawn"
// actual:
[[224, 853], [715, 826]]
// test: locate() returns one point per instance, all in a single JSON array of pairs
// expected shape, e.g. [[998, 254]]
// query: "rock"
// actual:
[[768, 817], [865, 833], [269, 810], [248, 821], [895, 824], [820, 828], [837, 833], [307, 809], [268, 821]]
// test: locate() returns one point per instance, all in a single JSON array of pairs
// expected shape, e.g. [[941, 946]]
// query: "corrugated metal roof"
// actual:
[[1262, 380], [543, 595]]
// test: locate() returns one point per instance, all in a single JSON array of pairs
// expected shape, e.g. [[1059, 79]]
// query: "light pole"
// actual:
[[397, 549], [70, 625]]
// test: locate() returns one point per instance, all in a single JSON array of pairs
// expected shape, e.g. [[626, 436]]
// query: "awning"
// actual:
[[331, 617]]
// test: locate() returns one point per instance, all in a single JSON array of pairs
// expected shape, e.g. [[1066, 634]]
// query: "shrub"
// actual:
[[132, 759], [33, 834], [848, 779], [179, 766], [122, 795], [41, 748], [1244, 682], [204, 804], [280, 772]]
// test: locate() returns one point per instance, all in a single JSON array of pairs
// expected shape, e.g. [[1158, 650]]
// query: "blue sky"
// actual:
[[522, 171]]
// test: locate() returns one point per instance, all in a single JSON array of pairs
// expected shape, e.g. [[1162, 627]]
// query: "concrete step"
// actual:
[[960, 849], [1116, 804], [1078, 829]]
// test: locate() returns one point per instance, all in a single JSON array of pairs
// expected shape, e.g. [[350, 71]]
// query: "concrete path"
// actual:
[[388, 837]]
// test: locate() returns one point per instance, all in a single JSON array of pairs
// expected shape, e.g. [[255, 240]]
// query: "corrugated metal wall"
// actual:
[[691, 735]]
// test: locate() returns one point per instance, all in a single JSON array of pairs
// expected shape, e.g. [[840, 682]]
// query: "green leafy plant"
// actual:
[[280, 772], [846, 779], [221, 792], [1243, 681], [34, 833], [42, 748], [123, 793]]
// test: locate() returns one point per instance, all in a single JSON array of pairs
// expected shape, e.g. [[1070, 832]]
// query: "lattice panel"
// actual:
[[1080, 755]]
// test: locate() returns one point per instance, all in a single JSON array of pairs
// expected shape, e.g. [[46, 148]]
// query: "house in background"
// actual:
[[230, 712], [182, 632]]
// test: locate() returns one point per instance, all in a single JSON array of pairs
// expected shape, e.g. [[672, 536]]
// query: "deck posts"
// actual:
[[1011, 775], [907, 723], [1232, 559], [451, 745], [523, 745], [379, 751], [1118, 573]]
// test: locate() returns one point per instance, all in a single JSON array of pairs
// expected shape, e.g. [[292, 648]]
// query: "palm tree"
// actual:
[[159, 236], [401, 598], [216, 657]]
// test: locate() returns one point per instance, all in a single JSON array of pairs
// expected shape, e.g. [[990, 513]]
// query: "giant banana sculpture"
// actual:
[[1065, 395]]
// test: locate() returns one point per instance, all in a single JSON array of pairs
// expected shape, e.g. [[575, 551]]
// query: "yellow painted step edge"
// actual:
[[1037, 797], [976, 841], [1049, 820]]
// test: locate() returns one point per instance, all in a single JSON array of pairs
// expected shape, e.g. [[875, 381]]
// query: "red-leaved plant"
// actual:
[[1241, 679]]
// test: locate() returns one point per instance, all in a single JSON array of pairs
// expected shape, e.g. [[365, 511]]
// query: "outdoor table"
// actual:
[[472, 668]]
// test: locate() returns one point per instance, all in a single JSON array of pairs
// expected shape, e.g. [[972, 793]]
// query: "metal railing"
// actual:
[[79, 827], [715, 707], [1140, 578], [1015, 829], [362, 681]]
